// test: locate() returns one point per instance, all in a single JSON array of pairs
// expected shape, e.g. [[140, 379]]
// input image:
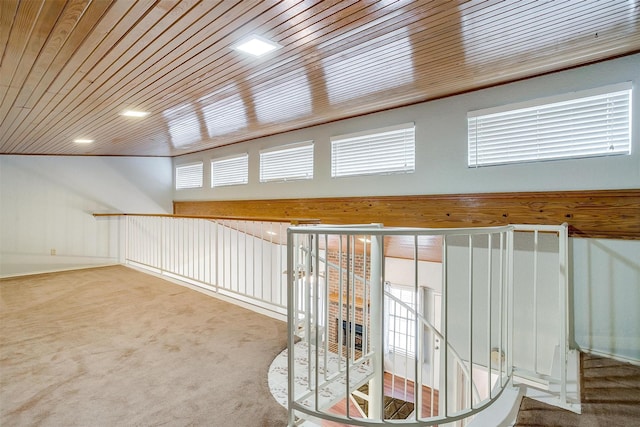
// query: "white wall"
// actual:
[[441, 148], [47, 203], [606, 296], [402, 272]]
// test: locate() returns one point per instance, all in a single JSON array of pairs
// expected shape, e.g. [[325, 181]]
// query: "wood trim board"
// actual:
[[594, 213]]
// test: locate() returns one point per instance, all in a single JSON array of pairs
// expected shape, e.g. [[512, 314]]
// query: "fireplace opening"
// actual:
[[357, 331]]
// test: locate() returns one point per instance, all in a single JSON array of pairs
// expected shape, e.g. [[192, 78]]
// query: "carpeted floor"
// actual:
[[115, 347], [610, 397]]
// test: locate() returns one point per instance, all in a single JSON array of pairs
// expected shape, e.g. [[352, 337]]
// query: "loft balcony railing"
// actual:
[[438, 338], [364, 350], [239, 258]]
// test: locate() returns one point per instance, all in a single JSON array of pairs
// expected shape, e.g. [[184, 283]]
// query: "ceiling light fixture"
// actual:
[[134, 113], [83, 141], [256, 45]]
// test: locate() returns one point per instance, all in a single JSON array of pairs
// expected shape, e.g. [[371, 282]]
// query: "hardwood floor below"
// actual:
[[395, 387]]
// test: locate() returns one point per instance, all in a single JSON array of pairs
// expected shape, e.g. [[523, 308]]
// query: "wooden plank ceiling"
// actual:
[[69, 68]]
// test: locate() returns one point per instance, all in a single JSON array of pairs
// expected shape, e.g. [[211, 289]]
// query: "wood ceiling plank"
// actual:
[[316, 33], [200, 94], [444, 47], [315, 85], [268, 70], [439, 38], [57, 39], [22, 48], [120, 83], [34, 55], [147, 25], [382, 31], [8, 16], [444, 59], [159, 20], [8, 11], [446, 62], [187, 74], [112, 27], [90, 17], [107, 119], [168, 53], [117, 24], [454, 47], [490, 45]]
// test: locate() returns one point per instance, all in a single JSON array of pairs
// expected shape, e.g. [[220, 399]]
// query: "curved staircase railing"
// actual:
[[364, 348]]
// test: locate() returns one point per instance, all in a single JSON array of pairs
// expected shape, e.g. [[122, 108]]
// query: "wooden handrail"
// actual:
[[293, 221]]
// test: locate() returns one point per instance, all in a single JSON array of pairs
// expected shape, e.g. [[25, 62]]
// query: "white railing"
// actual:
[[490, 306], [244, 259], [543, 357], [352, 341]]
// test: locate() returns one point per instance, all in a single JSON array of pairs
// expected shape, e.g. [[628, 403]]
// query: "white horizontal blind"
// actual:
[[189, 176], [230, 170], [585, 126], [379, 151], [291, 162]]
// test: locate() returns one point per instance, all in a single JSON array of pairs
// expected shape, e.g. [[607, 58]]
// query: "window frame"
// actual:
[[244, 178], [391, 318], [188, 165], [543, 106], [363, 144], [283, 149]]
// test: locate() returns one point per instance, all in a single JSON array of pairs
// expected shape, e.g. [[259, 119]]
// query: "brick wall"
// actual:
[[352, 264]]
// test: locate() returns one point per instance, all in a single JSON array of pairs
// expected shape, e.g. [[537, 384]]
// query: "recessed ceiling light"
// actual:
[[83, 141], [256, 45], [133, 113]]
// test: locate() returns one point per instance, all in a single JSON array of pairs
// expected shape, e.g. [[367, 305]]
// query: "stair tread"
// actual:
[[612, 371], [610, 396], [621, 383], [394, 408]]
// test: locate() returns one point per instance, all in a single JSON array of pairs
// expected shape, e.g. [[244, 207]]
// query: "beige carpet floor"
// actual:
[[115, 347]]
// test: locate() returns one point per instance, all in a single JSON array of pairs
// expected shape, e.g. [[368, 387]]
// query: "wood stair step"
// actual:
[[397, 409], [394, 408], [610, 396]]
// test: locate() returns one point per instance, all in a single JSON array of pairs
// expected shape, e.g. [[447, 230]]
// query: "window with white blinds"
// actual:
[[230, 170], [379, 151], [189, 176], [287, 163], [584, 124]]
